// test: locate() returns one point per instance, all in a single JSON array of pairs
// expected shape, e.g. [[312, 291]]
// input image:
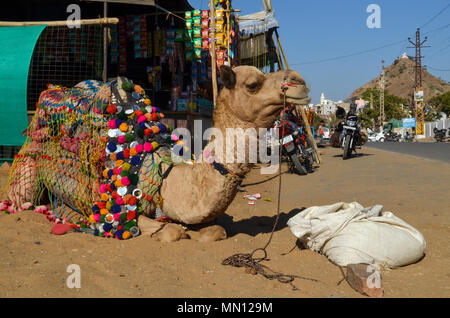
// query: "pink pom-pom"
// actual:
[[103, 188], [139, 148], [3, 207], [117, 216], [26, 206], [125, 181], [112, 124], [11, 209], [121, 139], [174, 137], [119, 200], [148, 147], [97, 217], [141, 119]]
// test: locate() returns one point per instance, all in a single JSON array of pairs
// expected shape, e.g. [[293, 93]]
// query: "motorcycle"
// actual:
[[439, 134], [351, 133], [296, 147], [392, 136]]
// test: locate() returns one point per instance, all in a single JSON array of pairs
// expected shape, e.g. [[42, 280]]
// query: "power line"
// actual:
[[436, 69], [350, 55], [440, 12]]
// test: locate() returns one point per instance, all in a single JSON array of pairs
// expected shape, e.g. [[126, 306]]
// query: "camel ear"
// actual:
[[228, 76]]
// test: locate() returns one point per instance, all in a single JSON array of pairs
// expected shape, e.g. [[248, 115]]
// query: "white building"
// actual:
[[326, 106]]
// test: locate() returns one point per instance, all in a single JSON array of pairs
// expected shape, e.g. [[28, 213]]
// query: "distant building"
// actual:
[[326, 107]]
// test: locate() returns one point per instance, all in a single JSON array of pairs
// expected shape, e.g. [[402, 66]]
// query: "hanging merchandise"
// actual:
[[122, 39], [205, 34], [196, 13], [205, 44], [197, 43], [140, 37], [197, 32], [196, 22], [205, 14], [179, 35], [170, 40], [189, 24], [188, 15]]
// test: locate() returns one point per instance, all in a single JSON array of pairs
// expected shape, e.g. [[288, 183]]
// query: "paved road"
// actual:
[[431, 150]]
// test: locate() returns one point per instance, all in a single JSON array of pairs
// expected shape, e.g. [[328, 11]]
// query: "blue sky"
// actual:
[[317, 30]]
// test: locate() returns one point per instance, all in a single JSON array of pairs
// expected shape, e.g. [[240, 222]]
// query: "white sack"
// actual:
[[348, 233]]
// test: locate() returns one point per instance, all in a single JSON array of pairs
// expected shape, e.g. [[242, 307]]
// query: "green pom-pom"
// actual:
[[122, 115], [123, 173], [143, 110], [140, 132], [134, 179], [127, 87], [129, 138], [129, 224]]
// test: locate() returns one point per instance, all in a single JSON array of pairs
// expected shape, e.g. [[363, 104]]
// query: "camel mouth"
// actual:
[[298, 101]]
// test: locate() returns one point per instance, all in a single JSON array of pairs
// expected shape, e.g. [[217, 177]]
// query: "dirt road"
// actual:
[[33, 262]]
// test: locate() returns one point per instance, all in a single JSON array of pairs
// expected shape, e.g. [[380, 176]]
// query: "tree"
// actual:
[[394, 106], [441, 103]]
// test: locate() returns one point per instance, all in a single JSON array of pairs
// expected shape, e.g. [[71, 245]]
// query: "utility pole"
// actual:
[[419, 101], [381, 91]]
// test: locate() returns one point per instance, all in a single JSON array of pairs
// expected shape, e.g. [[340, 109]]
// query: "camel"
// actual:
[[195, 194]]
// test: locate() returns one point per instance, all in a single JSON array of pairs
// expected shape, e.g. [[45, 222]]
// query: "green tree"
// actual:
[[441, 103], [394, 106]]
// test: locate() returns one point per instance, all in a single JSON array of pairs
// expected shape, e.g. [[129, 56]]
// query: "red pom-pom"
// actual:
[[132, 201], [147, 132], [154, 116], [126, 153], [111, 109], [139, 113], [131, 215]]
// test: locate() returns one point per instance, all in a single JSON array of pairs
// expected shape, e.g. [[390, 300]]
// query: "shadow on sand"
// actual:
[[256, 224]]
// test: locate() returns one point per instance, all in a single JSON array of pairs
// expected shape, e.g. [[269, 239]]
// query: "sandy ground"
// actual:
[[33, 262]]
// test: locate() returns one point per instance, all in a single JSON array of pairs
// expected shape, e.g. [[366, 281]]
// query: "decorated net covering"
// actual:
[[88, 149]]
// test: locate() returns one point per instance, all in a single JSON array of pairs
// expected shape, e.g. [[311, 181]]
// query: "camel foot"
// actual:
[[170, 233], [209, 234], [149, 226]]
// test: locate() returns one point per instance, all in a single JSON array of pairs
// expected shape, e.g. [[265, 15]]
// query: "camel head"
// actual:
[[256, 99]]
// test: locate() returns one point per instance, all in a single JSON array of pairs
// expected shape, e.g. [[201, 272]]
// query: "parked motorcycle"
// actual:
[[296, 146], [351, 133], [439, 134], [392, 136]]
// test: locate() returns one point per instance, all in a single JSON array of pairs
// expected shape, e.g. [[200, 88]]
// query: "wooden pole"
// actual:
[[105, 43], [213, 49], [59, 23], [301, 110], [281, 48], [228, 37]]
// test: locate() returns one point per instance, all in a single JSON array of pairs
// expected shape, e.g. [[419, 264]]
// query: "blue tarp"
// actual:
[[16, 49]]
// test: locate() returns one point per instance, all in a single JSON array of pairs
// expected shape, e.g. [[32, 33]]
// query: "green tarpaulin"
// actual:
[[16, 49]]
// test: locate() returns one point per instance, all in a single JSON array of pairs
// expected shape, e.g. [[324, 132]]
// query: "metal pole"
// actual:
[[105, 43]]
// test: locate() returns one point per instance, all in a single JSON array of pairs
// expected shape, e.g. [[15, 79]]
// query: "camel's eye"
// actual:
[[252, 87]]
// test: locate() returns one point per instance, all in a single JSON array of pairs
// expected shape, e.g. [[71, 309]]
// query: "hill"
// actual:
[[400, 79]]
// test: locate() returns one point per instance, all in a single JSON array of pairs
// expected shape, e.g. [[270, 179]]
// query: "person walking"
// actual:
[[321, 132]]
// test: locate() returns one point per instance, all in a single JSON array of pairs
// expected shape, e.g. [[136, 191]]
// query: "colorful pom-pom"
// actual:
[[112, 147], [111, 109], [148, 147], [136, 160]]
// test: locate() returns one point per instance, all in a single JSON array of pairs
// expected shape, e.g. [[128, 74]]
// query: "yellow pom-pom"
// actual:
[[104, 211], [118, 183], [119, 163], [105, 197], [126, 235], [91, 219], [147, 102], [126, 166], [123, 127], [109, 204], [105, 173]]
